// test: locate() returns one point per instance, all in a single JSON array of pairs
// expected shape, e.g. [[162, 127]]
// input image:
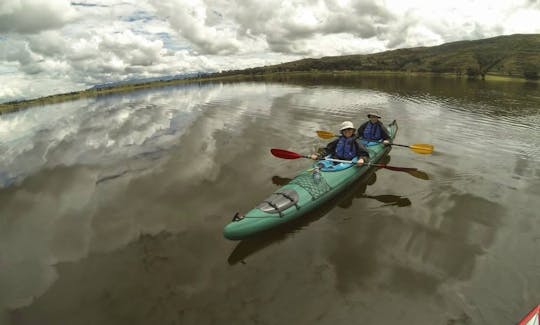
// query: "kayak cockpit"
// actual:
[[327, 165], [279, 201]]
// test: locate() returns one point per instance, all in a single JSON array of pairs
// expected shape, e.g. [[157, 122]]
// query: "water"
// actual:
[[111, 209]]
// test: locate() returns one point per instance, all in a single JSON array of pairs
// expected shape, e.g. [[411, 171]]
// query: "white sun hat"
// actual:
[[346, 125]]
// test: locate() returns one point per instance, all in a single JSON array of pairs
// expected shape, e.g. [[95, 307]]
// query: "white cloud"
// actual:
[[10, 89], [523, 21], [199, 24], [82, 43], [31, 16]]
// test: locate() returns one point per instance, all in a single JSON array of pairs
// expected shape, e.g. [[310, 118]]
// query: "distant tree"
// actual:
[[487, 60], [472, 72], [530, 72]]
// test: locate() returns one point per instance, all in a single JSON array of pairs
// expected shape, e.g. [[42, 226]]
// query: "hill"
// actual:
[[513, 55]]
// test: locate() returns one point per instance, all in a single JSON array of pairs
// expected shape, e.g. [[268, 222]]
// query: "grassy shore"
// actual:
[[272, 76]]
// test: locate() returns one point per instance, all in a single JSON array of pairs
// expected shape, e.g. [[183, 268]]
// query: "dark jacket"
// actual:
[[383, 131], [361, 151]]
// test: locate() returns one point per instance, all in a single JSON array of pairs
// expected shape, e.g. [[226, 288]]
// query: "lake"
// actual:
[[112, 208]]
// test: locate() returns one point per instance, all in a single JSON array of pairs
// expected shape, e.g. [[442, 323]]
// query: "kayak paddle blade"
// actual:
[[422, 148], [326, 134], [285, 154]]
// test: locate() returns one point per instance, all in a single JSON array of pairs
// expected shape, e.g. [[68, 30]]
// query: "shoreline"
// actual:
[[11, 107]]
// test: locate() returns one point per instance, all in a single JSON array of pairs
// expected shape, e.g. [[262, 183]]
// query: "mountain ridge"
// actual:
[[516, 55]]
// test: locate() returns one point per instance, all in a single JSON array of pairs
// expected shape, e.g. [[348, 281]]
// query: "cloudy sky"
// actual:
[[55, 46]]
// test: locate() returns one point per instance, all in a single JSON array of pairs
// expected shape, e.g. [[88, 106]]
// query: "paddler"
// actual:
[[373, 131], [345, 147]]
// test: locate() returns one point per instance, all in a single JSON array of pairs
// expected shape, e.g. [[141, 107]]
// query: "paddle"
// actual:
[[421, 148], [285, 154]]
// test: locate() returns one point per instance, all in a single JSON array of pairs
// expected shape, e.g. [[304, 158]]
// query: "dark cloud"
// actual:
[[534, 3], [378, 12], [285, 27], [29, 17], [399, 34], [15, 52], [192, 23]]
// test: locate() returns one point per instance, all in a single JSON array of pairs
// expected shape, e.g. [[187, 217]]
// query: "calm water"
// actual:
[[111, 209]]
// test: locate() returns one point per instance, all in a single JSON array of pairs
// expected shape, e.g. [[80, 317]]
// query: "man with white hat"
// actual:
[[373, 131]]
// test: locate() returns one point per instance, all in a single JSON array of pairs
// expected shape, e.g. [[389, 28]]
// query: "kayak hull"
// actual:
[[304, 193]]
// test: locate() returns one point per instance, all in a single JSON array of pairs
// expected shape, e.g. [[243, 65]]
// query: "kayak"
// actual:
[[305, 192], [308, 190], [532, 318]]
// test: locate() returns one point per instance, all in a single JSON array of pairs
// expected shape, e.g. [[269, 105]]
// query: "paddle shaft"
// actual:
[[285, 154], [400, 145], [330, 159], [421, 148], [328, 135], [352, 162]]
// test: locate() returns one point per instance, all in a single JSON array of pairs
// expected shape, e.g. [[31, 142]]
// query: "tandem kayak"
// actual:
[[305, 192]]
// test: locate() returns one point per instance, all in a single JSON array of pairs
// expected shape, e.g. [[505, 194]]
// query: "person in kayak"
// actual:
[[373, 131], [345, 146]]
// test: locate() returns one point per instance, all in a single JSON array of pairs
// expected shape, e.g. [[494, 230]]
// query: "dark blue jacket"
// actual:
[[345, 148], [373, 131]]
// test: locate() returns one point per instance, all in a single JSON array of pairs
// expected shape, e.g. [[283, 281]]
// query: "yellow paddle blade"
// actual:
[[422, 148], [326, 134]]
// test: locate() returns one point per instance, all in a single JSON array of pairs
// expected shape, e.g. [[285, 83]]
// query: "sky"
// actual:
[[58, 46]]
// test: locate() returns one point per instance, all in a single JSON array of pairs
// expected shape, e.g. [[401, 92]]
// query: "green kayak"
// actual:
[[305, 192]]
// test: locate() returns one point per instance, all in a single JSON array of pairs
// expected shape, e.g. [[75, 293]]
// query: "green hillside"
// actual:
[[514, 55]]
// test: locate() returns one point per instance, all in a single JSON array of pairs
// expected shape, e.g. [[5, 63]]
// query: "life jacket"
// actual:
[[372, 132], [345, 148]]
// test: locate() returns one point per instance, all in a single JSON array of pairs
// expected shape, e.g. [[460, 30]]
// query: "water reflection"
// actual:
[[389, 199], [280, 181], [494, 98], [426, 253], [140, 185], [418, 174], [253, 245]]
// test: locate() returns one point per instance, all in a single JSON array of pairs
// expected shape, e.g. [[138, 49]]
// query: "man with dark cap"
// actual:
[[373, 131]]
